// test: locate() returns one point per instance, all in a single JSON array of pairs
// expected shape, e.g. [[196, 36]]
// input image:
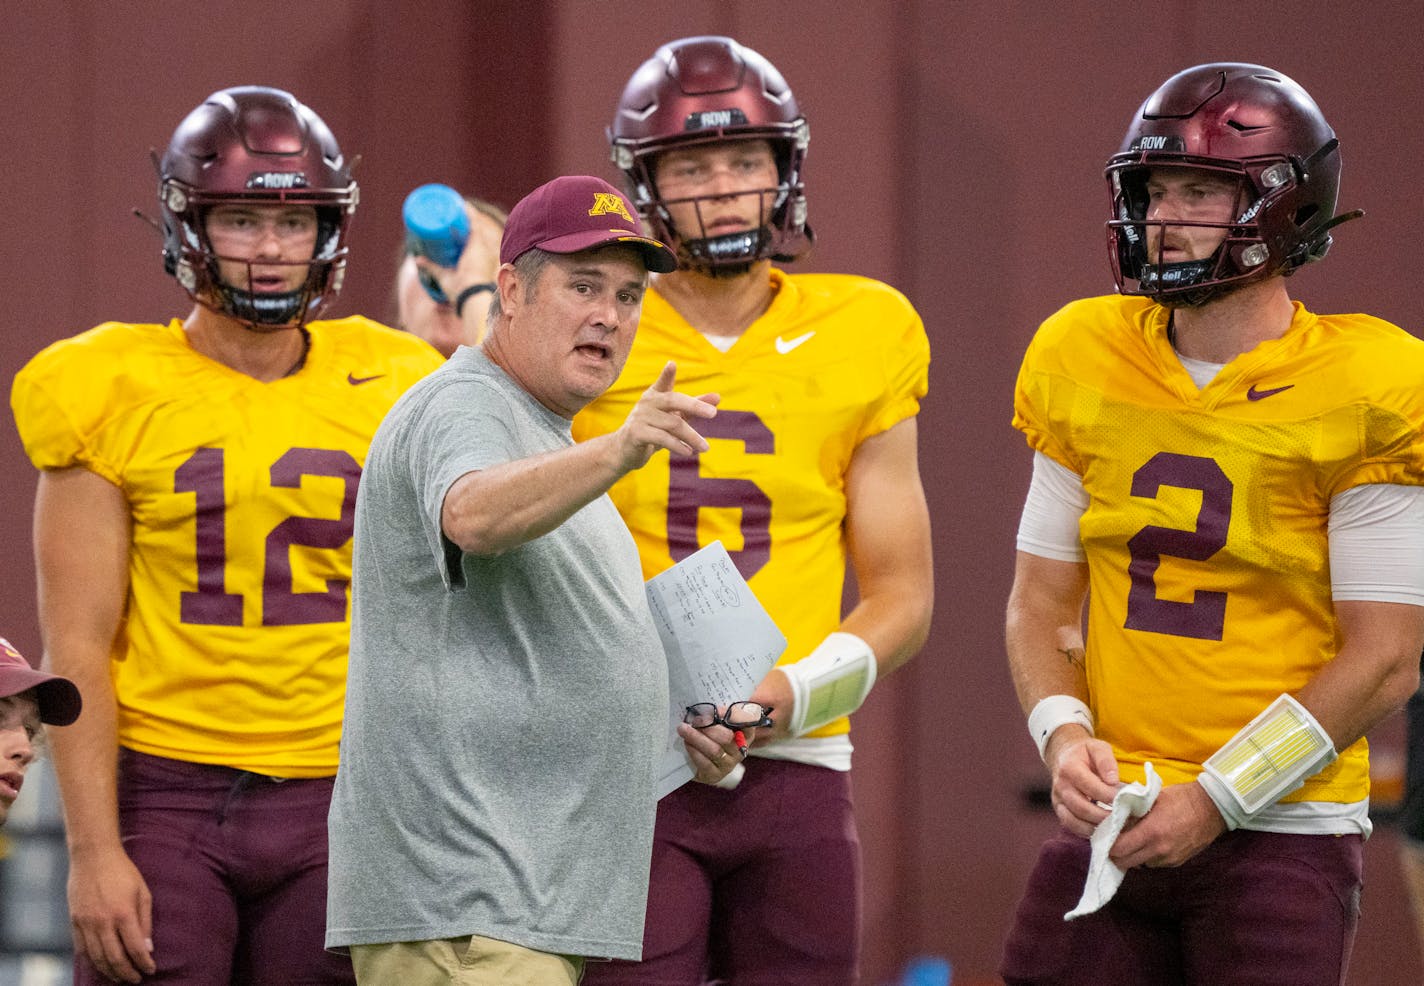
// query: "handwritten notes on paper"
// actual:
[[719, 641]]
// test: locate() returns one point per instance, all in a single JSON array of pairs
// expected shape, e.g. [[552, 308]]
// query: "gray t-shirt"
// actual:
[[504, 714]]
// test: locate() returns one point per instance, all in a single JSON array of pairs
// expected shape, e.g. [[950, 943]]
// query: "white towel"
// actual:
[[1104, 876]]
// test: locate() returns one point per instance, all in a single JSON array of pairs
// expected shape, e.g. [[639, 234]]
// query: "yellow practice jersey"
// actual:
[[242, 495], [1205, 532], [835, 360]]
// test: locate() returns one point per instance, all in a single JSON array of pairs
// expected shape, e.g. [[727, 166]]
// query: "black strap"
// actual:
[[469, 293]]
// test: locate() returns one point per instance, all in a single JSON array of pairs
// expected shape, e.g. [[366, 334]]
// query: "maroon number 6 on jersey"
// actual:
[[689, 491], [1205, 616]]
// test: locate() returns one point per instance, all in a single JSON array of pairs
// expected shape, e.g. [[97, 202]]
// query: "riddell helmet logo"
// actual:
[[606, 203], [278, 180]]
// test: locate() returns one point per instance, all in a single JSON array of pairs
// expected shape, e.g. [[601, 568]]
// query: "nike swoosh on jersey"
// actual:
[[1252, 394], [784, 346], [356, 381]]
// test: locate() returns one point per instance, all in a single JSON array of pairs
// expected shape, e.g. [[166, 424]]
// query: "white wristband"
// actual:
[[1270, 757], [1055, 711], [830, 682]]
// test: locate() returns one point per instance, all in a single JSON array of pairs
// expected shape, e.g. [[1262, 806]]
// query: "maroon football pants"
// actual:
[[1252, 908], [758, 886], [236, 863]]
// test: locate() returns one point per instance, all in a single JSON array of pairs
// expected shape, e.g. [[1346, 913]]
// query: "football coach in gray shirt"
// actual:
[[507, 698]]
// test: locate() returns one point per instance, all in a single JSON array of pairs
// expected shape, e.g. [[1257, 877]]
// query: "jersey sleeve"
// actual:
[[1035, 412], [906, 364], [62, 400], [1378, 439], [1389, 443]]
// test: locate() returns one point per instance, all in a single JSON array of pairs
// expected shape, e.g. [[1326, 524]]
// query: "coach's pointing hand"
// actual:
[[662, 420]]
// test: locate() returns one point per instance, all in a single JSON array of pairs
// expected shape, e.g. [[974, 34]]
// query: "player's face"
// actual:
[[421, 315], [19, 729], [263, 248], [718, 189], [1192, 195], [568, 341]]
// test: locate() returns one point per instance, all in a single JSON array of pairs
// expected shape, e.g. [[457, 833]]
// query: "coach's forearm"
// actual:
[[494, 510]]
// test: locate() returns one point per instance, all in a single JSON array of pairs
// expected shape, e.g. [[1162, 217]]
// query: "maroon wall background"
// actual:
[[957, 153]]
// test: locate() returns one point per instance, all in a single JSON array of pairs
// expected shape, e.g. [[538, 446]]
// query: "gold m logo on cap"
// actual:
[[606, 202]]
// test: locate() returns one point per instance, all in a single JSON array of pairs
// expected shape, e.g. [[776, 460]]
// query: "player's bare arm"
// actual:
[[496, 509], [82, 585], [1374, 672], [888, 542], [1041, 633]]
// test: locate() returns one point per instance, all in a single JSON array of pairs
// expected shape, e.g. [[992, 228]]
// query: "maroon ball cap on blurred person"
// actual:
[[58, 697]]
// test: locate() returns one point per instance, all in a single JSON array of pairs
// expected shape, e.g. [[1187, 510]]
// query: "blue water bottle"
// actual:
[[927, 970], [437, 227]]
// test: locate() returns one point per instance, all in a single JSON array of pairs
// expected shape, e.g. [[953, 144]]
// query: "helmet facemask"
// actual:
[[1240, 258], [197, 270], [780, 234]]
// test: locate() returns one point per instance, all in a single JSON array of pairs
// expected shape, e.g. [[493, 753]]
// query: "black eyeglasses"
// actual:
[[739, 715]]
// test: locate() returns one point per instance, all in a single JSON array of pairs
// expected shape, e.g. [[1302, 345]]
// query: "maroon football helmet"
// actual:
[[1243, 122], [698, 91], [254, 145]]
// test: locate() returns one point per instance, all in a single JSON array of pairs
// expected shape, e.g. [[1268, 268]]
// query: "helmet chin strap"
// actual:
[[265, 309], [1179, 278], [275, 310], [1167, 277], [732, 248], [1320, 245], [728, 254], [1344, 217]]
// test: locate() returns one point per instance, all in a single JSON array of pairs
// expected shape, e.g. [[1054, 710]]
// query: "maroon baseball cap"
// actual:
[[58, 697], [579, 212]]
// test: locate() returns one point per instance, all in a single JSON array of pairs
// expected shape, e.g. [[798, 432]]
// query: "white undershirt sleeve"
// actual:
[[1056, 501], [1376, 536]]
